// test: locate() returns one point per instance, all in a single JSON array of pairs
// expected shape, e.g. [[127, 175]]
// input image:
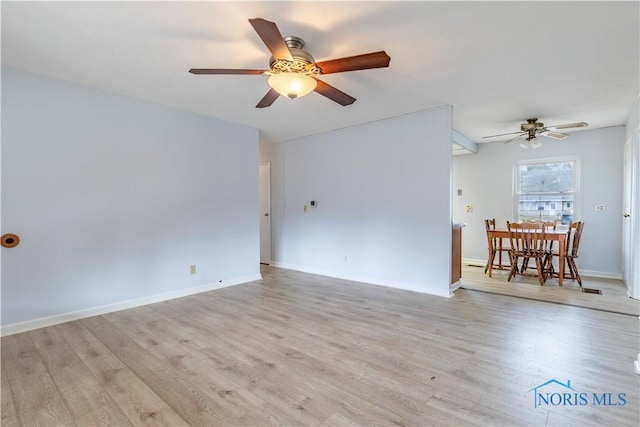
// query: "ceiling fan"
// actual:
[[533, 128], [292, 70]]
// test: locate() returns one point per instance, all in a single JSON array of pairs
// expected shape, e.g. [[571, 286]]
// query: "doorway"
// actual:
[[629, 239], [265, 213]]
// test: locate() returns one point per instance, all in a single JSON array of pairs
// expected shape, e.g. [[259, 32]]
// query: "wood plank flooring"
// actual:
[[614, 295], [304, 350]]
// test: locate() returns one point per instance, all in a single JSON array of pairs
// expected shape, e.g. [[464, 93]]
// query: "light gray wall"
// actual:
[[114, 198], [486, 181], [383, 193]]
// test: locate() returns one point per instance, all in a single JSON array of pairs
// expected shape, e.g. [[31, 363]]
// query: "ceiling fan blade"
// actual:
[[502, 134], [554, 135], [268, 99], [570, 125], [514, 138], [354, 63], [225, 71], [333, 94], [270, 35]]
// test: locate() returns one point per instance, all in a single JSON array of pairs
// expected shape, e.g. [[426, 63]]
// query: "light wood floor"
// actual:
[[614, 295], [303, 350]]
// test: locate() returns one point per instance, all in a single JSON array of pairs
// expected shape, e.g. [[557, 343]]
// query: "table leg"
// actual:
[[489, 257]]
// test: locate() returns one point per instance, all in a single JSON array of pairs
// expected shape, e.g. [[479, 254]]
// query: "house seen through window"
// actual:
[[545, 190]]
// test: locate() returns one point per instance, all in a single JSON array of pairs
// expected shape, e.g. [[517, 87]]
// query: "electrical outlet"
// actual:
[[599, 207], [304, 209], [192, 269], [468, 208], [346, 258]]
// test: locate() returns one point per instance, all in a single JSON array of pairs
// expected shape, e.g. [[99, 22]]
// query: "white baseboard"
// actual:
[[584, 273], [43, 322], [454, 286], [600, 274], [364, 279]]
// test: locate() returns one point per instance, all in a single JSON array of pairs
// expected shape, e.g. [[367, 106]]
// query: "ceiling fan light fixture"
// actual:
[[292, 85], [293, 72], [533, 128]]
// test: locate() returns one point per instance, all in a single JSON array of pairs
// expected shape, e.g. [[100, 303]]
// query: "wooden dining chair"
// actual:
[[498, 248], [548, 244], [527, 241], [549, 225], [574, 233]]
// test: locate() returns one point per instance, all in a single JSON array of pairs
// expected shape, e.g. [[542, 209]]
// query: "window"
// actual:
[[545, 190]]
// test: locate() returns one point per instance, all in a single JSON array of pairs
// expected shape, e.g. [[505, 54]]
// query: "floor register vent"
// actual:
[[591, 291]]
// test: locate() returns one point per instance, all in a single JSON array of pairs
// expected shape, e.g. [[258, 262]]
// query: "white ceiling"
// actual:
[[497, 63]]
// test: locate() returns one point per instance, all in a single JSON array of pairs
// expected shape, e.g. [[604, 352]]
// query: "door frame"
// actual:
[[265, 223], [630, 221]]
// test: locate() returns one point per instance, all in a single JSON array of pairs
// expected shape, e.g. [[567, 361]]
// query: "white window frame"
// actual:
[[515, 194]]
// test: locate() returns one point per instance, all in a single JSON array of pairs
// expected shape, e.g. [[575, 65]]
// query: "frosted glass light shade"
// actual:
[[292, 85]]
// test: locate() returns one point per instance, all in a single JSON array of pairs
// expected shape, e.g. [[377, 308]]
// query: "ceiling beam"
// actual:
[[464, 142]]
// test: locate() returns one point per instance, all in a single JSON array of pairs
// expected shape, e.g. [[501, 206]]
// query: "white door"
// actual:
[[629, 237], [265, 213]]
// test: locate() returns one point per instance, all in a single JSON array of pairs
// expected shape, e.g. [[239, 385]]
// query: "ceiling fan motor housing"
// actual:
[[295, 45], [532, 124], [533, 127]]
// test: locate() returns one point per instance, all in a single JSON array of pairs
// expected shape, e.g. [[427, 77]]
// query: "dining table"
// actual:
[[554, 235]]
